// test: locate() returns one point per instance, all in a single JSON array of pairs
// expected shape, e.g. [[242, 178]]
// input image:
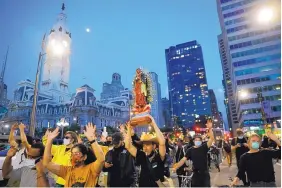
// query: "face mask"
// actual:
[[66, 141], [240, 137], [198, 143], [75, 160], [255, 145]]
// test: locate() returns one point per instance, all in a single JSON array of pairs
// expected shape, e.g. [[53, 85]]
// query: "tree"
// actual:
[[111, 130], [74, 128]]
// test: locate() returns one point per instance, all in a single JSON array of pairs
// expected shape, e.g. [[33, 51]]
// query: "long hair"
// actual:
[[86, 151], [73, 136]]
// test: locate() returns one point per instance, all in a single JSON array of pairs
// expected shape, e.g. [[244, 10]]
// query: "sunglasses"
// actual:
[[66, 137]]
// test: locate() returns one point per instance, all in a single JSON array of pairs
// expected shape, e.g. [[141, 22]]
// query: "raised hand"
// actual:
[[47, 133], [272, 136], [14, 127], [90, 132], [209, 124], [12, 152], [22, 126], [53, 135]]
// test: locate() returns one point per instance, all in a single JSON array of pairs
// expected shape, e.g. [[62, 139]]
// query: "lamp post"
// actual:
[[62, 123]]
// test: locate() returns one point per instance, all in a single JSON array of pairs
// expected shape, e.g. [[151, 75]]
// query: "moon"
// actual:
[[88, 30]]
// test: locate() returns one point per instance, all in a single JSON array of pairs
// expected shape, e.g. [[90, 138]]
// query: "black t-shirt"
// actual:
[[258, 166], [240, 150], [199, 157], [115, 178], [149, 177]]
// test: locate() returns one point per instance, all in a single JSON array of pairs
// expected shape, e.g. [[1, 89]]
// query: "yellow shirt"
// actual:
[[85, 176], [60, 157]]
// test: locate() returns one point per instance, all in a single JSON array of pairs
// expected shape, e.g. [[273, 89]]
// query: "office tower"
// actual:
[[187, 83], [251, 31]]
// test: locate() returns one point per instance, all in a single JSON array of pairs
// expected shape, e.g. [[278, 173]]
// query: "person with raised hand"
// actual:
[[151, 160], [198, 155], [257, 163], [83, 172], [61, 153]]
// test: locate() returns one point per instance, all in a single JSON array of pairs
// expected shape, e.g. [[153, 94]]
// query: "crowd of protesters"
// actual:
[[130, 161]]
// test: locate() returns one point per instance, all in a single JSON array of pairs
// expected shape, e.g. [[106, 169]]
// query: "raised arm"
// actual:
[[210, 133], [99, 154], [12, 140], [160, 137], [42, 180], [128, 142], [7, 165], [44, 141], [23, 136], [47, 157]]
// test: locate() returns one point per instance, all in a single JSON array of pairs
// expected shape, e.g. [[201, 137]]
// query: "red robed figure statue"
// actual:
[[142, 91]]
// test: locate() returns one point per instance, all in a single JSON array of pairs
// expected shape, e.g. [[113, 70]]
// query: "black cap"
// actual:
[[116, 138]]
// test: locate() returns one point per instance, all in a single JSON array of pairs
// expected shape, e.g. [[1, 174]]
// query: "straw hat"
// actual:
[[149, 137]]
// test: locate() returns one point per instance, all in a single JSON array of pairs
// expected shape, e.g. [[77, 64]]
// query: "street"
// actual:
[[222, 177]]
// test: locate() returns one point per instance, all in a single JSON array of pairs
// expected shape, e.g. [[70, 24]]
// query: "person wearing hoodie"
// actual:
[[62, 153]]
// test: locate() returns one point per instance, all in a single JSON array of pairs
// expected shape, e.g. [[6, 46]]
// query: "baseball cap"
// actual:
[[116, 138]]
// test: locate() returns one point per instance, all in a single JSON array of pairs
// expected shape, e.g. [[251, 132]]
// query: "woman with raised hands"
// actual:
[[83, 172]]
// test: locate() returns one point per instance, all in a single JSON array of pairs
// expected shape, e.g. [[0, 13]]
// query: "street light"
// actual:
[[62, 123], [265, 15], [243, 94]]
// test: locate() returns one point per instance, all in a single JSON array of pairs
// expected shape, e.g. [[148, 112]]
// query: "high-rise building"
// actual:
[[251, 35], [166, 112], [187, 83], [156, 105], [216, 115], [229, 101]]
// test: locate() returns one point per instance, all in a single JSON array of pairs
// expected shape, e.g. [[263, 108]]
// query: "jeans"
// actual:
[[201, 179], [263, 184]]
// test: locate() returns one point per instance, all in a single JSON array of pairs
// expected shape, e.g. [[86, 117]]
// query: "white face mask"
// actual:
[[66, 141]]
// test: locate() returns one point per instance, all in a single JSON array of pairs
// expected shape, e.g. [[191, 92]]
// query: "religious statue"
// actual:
[[142, 91]]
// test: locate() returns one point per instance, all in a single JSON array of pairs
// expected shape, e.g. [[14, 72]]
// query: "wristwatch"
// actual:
[[91, 142]]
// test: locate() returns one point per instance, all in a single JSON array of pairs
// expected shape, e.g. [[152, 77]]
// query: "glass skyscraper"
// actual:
[[187, 83], [251, 33]]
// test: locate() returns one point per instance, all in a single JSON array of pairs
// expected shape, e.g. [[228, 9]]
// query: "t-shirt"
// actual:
[[199, 157], [258, 166], [23, 177], [149, 177], [240, 150], [84, 176], [115, 177]]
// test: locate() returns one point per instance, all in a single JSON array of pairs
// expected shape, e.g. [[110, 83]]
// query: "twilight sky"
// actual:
[[124, 35]]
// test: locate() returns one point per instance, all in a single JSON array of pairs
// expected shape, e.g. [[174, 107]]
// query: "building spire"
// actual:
[[63, 7], [4, 66]]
